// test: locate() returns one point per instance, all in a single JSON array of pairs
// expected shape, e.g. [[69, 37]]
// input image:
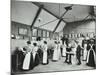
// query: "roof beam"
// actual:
[[61, 18], [36, 3], [37, 15]]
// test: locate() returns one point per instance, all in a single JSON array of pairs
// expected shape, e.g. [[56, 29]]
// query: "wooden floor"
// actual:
[[56, 67]]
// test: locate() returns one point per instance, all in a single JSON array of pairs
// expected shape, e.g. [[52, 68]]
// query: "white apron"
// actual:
[[26, 62], [45, 54], [85, 52], [55, 54], [74, 60], [59, 51], [64, 50]]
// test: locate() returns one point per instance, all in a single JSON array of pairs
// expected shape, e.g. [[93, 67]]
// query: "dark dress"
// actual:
[[91, 53], [28, 59], [68, 56], [35, 62], [78, 54], [17, 60]]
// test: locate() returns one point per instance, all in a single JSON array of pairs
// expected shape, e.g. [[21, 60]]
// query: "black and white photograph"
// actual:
[[52, 37]]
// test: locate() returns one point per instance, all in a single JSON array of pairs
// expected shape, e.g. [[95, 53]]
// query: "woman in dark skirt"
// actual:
[[45, 54], [35, 55], [27, 62], [91, 57]]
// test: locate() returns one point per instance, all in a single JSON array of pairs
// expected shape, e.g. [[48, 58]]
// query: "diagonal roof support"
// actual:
[[61, 18], [37, 15], [36, 3]]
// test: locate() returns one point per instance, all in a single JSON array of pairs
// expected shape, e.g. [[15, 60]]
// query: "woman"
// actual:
[[55, 53], [64, 50], [28, 56], [84, 45], [40, 52], [79, 52], [91, 57], [45, 56], [74, 49], [68, 54], [59, 50], [35, 55]]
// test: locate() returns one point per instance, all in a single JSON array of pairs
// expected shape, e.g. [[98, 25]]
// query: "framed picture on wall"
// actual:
[[23, 31]]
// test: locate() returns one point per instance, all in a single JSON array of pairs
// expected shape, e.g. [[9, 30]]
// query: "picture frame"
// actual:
[[23, 31]]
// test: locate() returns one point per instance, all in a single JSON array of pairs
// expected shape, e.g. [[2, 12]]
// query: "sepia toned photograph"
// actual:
[[52, 37]]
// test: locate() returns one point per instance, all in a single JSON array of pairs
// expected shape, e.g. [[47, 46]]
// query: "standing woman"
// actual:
[[59, 50], [35, 55], [55, 53], [91, 57], [78, 53], [64, 50], [84, 45], [74, 49], [45, 56], [28, 56], [40, 52]]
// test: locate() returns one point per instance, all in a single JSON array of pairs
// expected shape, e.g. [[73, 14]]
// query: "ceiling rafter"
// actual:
[[37, 15], [36, 3], [61, 18]]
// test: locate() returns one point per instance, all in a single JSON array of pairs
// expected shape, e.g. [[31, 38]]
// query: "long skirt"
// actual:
[[26, 62], [64, 51], [44, 57], [34, 55], [40, 53], [36, 59], [59, 53], [55, 55], [91, 58], [74, 59], [84, 54]]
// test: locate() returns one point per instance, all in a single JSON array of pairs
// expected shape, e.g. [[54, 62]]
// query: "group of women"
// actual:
[[73, 51]]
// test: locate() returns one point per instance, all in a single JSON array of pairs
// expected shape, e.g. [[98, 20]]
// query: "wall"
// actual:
[[23, 12], [15, 27], [80, 27]]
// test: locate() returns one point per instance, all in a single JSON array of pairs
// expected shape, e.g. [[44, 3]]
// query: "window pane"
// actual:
[[44, 33], [39, 33], [34, 32], [47, 34]]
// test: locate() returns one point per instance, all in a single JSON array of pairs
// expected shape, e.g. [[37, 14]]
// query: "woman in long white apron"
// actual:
[[55, 53], [59, 50], [45, 59], [35, 55], [27, 59], [74, 48], [64, 50], [84, 45]]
